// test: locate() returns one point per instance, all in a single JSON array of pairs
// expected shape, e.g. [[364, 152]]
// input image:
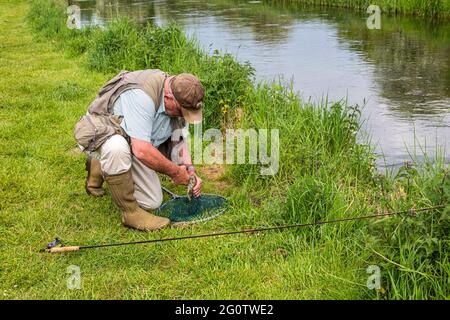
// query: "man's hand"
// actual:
[[198, 187], [181, 176]]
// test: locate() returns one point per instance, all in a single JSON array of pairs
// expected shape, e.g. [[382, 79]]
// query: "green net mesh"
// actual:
[[203, 208]]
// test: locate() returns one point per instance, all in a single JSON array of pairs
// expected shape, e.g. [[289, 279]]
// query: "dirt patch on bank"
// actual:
[[214, 176]]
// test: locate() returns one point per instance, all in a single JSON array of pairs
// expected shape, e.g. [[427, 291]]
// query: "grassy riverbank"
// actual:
[[50, 74], [428, 8]]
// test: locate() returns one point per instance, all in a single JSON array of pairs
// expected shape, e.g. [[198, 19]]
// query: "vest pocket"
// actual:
[[91, 131]]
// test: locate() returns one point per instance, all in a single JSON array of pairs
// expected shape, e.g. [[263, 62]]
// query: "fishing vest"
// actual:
[[92, 130], [150, 81]]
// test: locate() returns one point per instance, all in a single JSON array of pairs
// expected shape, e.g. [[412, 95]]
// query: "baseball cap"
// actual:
[[188, 91]]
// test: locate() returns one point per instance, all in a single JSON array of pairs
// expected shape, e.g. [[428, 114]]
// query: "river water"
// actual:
[[399, 73]]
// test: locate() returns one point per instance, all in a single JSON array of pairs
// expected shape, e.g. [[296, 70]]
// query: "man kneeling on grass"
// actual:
[[151, 108]]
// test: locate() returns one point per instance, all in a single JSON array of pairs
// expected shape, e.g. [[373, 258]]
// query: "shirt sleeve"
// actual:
[[138, 111]]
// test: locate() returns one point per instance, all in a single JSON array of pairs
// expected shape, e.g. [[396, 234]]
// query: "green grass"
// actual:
[[50, 75]]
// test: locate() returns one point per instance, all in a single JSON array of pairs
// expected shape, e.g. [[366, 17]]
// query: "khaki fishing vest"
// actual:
[[151, 81], [92, 130]]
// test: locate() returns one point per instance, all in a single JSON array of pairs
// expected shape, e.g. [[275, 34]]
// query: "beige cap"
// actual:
[[188, 91]]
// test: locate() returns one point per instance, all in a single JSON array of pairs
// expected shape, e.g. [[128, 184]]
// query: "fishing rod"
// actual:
[[52, 247]]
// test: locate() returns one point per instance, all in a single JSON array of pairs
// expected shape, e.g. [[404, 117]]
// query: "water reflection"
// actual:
[[401, 72], [99, 12], [412, 61]]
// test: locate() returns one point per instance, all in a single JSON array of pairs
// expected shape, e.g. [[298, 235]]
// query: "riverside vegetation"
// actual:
[[423, 8], [51, 73]]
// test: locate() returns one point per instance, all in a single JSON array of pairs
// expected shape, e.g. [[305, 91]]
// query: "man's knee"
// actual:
[[151, 203], [115, 155], [158, 201]]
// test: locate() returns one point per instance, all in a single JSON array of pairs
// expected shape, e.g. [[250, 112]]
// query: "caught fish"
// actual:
[[190, 187]]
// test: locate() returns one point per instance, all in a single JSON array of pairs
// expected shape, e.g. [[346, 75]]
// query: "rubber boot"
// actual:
[[94, 179], [122, 189]]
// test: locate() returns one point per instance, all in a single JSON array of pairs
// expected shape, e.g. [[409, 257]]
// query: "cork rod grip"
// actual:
[[63, 249]]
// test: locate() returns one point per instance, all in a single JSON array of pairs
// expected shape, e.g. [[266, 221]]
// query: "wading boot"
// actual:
[[122, 189], [94, 179]]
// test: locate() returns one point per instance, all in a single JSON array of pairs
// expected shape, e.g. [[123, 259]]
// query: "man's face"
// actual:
[[173, 108], [192, 87]]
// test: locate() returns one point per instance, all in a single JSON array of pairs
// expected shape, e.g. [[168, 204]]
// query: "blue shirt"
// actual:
[[140, 118]]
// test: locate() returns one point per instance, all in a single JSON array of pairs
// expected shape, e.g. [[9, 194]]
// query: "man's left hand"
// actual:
[[198, 186]]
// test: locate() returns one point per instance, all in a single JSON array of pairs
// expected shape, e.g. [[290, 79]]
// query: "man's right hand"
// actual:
[[181, 176]]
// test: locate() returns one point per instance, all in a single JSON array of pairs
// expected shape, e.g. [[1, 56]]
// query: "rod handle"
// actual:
[[63, 249]]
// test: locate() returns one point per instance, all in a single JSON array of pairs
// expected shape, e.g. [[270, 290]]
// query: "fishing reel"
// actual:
[[55, 243]]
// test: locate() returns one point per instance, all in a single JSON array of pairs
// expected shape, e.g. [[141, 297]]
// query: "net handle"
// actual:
[[173, 195]]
